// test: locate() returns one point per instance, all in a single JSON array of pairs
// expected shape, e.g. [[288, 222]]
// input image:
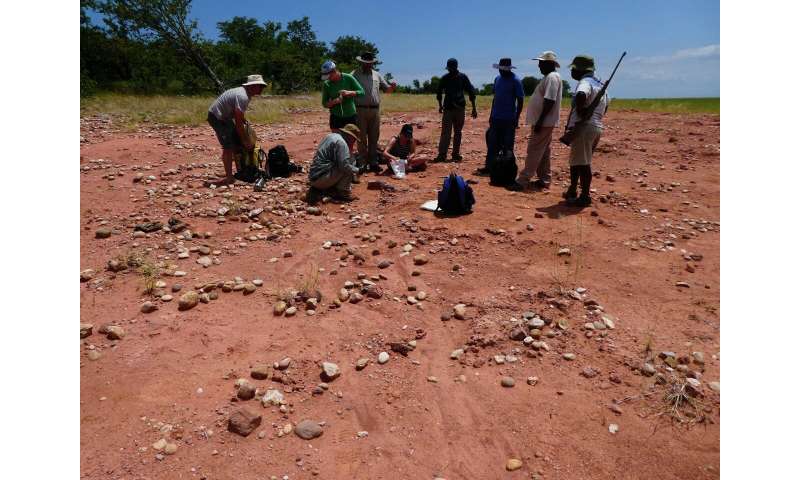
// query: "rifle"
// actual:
[[569, 133]]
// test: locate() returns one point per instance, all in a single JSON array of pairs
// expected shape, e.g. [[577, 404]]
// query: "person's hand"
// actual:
[[537, 128], [474, 113]]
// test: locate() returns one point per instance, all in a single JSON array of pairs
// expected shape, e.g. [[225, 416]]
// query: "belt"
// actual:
[[368, 106]]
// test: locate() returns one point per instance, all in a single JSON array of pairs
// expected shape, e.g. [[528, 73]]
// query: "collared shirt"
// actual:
[[591, 87], [332, 154], [230, 100], [453, 87], [506, 92], [330, 90], [373, 84], [548, 88]]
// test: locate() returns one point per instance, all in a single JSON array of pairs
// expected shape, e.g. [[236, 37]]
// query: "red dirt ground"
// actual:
[[627, 252]]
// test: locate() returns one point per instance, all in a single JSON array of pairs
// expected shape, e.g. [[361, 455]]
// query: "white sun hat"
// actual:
[[254, 80], [548, 56]]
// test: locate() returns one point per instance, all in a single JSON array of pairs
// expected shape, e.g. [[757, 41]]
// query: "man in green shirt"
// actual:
[[338, 95]]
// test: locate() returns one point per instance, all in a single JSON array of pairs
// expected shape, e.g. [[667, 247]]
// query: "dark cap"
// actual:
[[582, 63], [452, 63]]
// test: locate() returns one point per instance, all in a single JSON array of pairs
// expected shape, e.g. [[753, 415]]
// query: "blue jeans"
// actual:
[[499, 136]]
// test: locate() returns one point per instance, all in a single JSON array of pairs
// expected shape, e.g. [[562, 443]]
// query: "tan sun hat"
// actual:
[[548, 56], [351, 130], [254, 80]]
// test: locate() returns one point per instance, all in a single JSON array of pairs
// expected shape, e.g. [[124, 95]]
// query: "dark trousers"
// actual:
[[452, 120], [499, 136], [582, 174]]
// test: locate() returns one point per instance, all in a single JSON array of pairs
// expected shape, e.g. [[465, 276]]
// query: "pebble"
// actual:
[[420, 259], [362, 363], [205, 261], [177, 288], [308, 430], [460, 311], [159, 445], [613, 428], [246, 391], [291, 311], [86, 329], [166, 298], [260, 372], [513, 464], [383, 357], [188, 300], [648, 369], [331, 370], [93, 355], [115, 332], [102, 232], [279, 308], [258, 282], [457, 353], [170, 448], [243, 422], [569, 356], [714, 386], [272, 397], [385, 264], [507, 382], [87, 275], [533, 381]]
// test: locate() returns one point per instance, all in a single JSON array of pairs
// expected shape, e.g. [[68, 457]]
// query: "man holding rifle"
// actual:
[[584, 127]]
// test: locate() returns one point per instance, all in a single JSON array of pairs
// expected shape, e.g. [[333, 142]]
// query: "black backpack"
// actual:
[[455, 197], [503, 171], [279, 163], [248, 165]]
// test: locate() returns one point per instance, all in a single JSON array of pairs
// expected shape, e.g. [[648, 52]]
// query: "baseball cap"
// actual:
[[327, 68]]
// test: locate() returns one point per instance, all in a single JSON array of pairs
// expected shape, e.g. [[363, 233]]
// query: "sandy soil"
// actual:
[[427, 415]]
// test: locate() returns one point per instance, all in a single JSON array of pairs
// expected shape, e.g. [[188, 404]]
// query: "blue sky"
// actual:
[[673, 46]]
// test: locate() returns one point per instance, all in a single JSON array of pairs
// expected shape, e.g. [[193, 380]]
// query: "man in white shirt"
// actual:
[[368, 108], [543, 115], [587, 127], [226, 117]]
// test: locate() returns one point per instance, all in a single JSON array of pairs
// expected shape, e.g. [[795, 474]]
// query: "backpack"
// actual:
[[455, 197], [503, 171], [248, 165], [279, 163]]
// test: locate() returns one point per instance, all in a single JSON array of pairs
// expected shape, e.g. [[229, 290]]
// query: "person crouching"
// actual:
[[333, 167], [403, 147]]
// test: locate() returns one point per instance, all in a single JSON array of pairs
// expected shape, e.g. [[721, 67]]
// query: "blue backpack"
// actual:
[[455, 197]]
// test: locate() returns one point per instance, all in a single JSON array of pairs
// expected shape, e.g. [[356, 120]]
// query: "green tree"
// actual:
[[165, 20], [345, 49], [529, 85], [566, 91]]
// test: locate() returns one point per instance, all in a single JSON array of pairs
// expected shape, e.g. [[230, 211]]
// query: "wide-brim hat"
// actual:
[[254, 80], [367, 57], [583, 63], [504, 64], [548, 56], [351, 130]]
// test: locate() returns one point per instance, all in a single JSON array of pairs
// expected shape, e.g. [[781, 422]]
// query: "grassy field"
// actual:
[[178, 110], [668, 105]]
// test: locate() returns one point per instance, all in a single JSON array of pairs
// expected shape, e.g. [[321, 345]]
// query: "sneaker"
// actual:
[[457, 157], [515, 187]]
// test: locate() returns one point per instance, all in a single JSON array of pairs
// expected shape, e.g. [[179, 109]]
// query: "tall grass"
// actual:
[[667, 105], [180, 110]]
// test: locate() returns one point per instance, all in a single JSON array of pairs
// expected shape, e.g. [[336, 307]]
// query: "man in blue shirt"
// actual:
[[506, 108]]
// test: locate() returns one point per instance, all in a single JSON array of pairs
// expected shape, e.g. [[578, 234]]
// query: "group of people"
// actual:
[[353, 100]]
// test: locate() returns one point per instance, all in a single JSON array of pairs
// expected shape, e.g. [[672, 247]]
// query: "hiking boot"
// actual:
[[482, 172], [570, 195], [343, 197], [313, 196], [439, 159], [515, 187], [583, 201], [541, 185], [457, 157]]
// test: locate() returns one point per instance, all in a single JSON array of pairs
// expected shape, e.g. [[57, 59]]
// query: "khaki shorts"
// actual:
[[582, 146]]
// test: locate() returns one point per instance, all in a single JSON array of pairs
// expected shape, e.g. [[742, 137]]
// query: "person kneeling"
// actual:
[[403, 147], [333, 167]]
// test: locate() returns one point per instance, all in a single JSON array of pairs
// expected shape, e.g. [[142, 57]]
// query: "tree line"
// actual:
[[153, 47]]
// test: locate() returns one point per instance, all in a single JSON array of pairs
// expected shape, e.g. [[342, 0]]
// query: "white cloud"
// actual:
[[707, 51]]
